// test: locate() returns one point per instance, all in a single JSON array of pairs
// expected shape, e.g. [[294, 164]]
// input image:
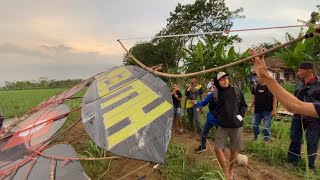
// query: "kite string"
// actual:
[[216, 32], [43, 122], [216, 68], [134, 171]]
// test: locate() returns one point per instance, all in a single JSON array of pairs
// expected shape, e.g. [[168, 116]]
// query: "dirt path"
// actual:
[[120, 167], [255, 171]]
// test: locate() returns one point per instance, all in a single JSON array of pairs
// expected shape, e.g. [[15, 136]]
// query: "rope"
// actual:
[[30, 168], [144, 176], [215, 156], [215, 32], [134, 171], [221, 67]]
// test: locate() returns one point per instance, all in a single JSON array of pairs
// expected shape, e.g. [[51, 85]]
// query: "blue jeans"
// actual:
[[258, 116], [205, 133]]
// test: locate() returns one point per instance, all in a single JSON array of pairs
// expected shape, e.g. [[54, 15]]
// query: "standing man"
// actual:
[[308, 90], [176, 98], [1, 121], [211, 121], [290, 102], [265, 107], [193, 92], [230, 107]]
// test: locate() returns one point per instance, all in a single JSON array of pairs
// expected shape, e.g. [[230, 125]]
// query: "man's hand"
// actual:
[[201, 110], [250, 109], [194, 101], [273, 113], [259, 65]]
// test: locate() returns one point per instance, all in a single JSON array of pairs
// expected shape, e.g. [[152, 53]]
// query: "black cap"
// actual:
[[307, 65]]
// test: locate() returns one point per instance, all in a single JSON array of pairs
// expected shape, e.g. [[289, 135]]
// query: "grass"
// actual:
[[275, 153], [179, 166], [95, 169], [16, 103]]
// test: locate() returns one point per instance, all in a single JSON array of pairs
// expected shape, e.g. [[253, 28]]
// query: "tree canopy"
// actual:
[[200, 16]]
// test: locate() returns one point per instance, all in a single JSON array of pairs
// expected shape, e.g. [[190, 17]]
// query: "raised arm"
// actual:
[[274, 106], [204, 102], [290, 102]]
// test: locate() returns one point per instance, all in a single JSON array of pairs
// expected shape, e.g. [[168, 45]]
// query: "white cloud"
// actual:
[[55, 62], [77, 38]]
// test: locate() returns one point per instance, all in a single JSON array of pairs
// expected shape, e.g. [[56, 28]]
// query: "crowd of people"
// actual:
[[227, 108]]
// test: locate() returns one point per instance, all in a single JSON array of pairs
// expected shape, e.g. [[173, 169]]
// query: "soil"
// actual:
[[121, 167]]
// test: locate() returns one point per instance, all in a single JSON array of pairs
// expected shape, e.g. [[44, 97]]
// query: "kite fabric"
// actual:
[[128, 111], [45, 168], [32, 132]]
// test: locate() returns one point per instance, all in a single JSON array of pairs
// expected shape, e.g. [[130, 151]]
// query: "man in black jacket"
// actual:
[[308, 90], [230, 110]]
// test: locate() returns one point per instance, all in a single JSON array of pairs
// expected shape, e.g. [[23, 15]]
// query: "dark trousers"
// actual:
[[312, 128], [1, 121], [205, 133], [194, 118]]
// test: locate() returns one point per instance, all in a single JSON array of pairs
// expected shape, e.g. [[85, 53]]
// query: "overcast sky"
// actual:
[[62, 39]]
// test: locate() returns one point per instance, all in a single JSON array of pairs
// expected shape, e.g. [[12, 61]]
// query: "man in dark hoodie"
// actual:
[[230, 108]]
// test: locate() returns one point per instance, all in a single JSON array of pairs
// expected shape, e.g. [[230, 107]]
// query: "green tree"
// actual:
[[315, 16], [296, 53], [201, 16], [155, 53]]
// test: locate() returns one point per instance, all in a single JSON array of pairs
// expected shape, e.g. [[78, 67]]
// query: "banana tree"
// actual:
[[207, 54], [301, 51]]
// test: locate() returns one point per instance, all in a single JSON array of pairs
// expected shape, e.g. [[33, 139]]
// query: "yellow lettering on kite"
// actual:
[[132, 109], [112, 78]]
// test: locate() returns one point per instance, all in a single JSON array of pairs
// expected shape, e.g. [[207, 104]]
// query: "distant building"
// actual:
[[278, 70]]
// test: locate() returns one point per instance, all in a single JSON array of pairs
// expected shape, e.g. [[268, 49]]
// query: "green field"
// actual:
[[16, 103]]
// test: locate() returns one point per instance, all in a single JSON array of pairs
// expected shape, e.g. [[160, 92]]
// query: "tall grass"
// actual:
[[276, 152], [95, 169]]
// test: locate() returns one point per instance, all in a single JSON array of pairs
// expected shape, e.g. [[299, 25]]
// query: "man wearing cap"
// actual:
[[308, 90], [229, 108]]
